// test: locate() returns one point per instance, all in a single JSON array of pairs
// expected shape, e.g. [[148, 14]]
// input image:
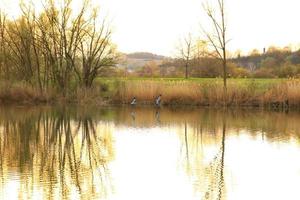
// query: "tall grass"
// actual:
[[251, 93], [284, 93], [22, 93], [146, 91], [281, 94]]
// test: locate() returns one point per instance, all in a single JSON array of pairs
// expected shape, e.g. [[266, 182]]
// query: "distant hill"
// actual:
[[145, 56], [139, 59]]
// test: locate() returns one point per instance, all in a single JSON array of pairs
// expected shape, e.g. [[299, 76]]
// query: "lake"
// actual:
[[147, 153]]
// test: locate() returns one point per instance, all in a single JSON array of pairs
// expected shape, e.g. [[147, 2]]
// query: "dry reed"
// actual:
[[212, 94], [281, 95]]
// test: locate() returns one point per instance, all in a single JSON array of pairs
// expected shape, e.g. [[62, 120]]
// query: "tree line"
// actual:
[[273, 63]]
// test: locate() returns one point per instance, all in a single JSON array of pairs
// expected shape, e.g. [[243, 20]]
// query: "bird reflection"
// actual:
[[132, 114], [157, 116]]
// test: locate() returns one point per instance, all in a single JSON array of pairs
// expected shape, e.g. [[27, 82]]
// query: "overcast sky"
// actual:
[[157, 25]]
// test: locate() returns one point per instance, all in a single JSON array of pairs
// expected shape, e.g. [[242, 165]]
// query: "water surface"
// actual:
[[147, 153]]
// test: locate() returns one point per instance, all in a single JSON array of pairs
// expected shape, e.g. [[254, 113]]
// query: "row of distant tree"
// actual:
[[274, 62]]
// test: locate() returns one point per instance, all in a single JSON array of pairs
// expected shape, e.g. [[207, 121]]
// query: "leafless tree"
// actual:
[[218, 36], [96, 49], [19, 44], [186, 52], [29, 18], [61, 36], [59, 48], [3, 66]]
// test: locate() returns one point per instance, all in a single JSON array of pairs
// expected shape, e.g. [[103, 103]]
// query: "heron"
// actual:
[[158, 100], [133, 101]]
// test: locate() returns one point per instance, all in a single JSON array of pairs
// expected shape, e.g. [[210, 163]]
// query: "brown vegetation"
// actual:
[[282, 95], [279, 95], [285, 94], [25, 94]]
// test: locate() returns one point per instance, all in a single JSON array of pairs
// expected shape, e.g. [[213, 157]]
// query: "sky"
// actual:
[[158, 25]]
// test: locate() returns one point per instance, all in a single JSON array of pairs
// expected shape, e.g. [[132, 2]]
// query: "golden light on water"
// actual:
[[188, 155], [262, 170], [139, 156]]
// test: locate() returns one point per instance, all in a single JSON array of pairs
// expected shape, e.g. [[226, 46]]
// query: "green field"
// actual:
[[262, 81], [110, 84]]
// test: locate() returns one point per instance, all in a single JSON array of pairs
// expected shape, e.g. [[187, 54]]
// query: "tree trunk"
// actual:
[[186, 70], [225, 76]]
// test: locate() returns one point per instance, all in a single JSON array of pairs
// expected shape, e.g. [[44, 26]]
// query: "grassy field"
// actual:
[[198, 80], [109, 86], [260, 83]]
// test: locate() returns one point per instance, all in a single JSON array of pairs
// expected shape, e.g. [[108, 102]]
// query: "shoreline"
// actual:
[[240, 93], [274, 106]]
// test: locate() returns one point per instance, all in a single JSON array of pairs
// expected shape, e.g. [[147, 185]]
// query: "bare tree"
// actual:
[[29, 16], [57, 47], [61, 38], [3, 63], [96, 49], [19, 44], [218, 37], [186, 52]]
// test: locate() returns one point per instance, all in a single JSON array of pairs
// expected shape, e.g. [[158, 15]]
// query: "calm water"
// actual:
[[146, 153]]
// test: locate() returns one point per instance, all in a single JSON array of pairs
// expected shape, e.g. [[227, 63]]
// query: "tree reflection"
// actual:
[[62, 153], [204, 158], [56, 152]]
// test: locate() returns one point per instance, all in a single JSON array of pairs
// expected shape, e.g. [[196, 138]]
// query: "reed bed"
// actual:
[[146, 91], [285, 94], [282, 94], [22, 93]]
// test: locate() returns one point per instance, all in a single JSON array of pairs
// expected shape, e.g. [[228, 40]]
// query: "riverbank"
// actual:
[[275, 93], [24, 94]]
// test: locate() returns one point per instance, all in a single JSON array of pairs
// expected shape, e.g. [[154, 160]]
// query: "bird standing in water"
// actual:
[[133, 102], [158, 100]]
